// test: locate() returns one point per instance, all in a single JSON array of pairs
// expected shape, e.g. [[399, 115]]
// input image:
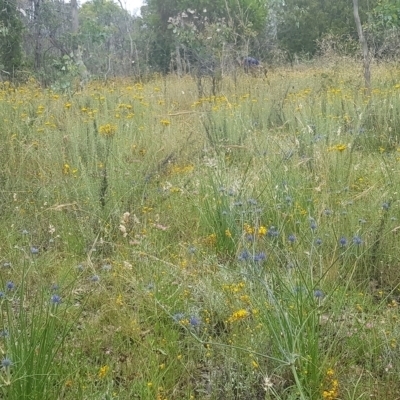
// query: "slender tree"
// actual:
[[364, 47]]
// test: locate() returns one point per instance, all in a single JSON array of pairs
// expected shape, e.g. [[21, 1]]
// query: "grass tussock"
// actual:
[[158, 245]]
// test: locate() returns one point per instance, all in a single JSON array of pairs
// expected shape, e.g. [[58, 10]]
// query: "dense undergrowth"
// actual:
[[157, 245]]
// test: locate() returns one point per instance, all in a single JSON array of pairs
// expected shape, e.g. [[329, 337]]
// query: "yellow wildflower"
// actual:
[[248, 229], [339, 147], [103, 371], [66, 169], [262, 231], [119, 301], [238, 315], [107, 130], [165, 122]]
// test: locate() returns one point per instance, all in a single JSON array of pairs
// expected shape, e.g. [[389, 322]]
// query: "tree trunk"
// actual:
[[364, 46], [37, 33], [74, 17]]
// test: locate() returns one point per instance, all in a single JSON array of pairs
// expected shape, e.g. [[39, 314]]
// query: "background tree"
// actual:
[[302, 22], [364, 46], [244, 19], [11, 29], [383, 29], [106, 37]]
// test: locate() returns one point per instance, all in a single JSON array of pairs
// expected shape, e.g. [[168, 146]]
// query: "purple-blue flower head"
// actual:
[[357, 240], [95, 278], [55, 299], [343, 241], [6, 363], [4, 333], [273, 232], [34, 250], [313, 225], [244, 255], [260, 257], [319, 294], [10, 285], [291, 238], [194, 321]]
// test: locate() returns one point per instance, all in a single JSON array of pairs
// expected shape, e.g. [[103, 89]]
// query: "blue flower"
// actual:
[[194, 321], [386, 206], [273, 232], [292, 238], [34, 250], [260, 256], [79, 268], [343, 241], [191, 249], [2, 295], [6, 363], [106, 267], [319, 294], [95, 278], [313, 225], [250, 237], [55, 299], [327, 212], [244, 255], [4, 333], [252, 202], [10, 285], [357, 240], [318, 241]]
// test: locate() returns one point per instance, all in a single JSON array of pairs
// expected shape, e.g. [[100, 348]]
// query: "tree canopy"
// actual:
[[44, 35]]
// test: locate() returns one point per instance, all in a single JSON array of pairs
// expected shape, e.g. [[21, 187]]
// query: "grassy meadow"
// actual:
[[160, 245]]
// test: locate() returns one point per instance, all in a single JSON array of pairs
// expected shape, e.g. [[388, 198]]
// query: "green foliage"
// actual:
[[302, 23], [11, 29], [386, 14], [32, 341], [106, 35], [192, 24]]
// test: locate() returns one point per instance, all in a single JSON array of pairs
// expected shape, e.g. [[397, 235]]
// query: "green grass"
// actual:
[[160, 246]]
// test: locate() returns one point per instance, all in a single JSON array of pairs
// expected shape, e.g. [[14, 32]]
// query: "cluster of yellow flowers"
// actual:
[[250, 230], [107, 130], [103, 371], [181, 169], [331, 391], [338, 147], [238, 315]]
